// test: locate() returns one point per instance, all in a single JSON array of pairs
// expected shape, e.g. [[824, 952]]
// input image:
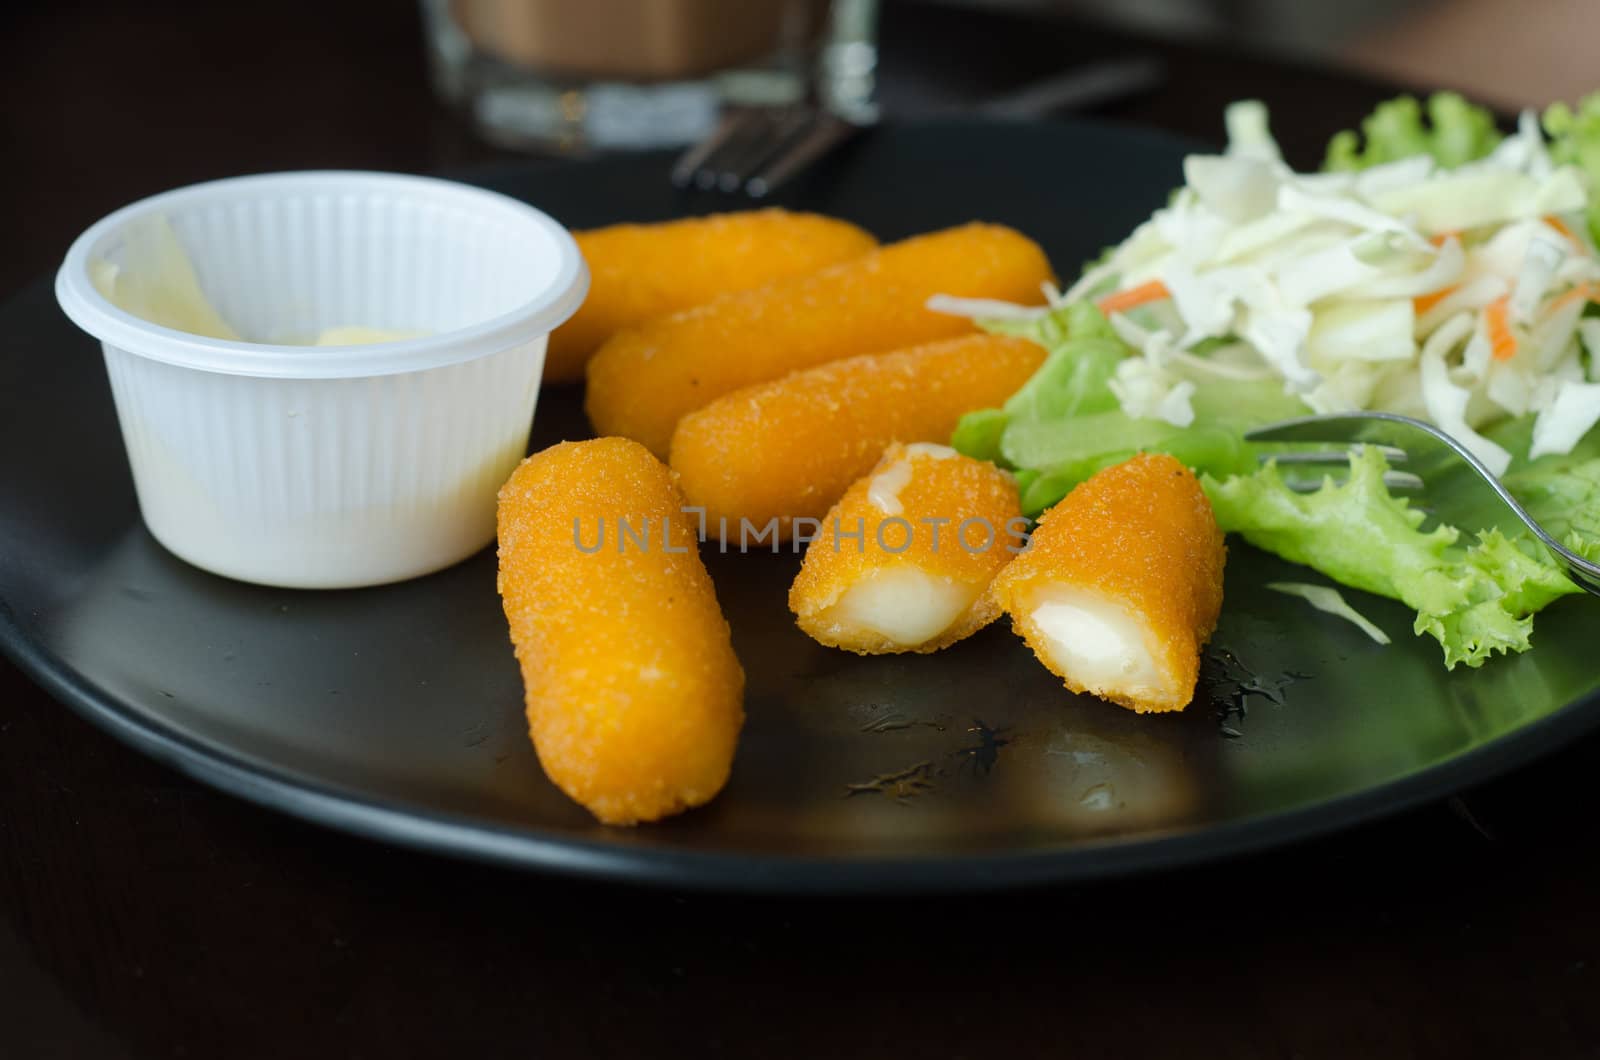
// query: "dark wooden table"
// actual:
[[144, 915]]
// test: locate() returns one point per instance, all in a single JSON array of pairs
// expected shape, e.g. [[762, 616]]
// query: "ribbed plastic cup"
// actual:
[[333, 466]]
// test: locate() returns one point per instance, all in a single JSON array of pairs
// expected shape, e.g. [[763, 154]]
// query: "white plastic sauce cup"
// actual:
[[333, 466]]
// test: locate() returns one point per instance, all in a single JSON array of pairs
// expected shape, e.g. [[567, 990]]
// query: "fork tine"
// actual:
[[779, 128], [1402, 480], [826, 133], [1358, 426], [686, 170], [1338, 428], [749, 133], [1392, 453], [1395, 480], [753, 138]]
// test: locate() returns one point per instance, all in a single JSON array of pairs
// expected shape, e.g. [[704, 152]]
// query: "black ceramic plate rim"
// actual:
[[534, 848]]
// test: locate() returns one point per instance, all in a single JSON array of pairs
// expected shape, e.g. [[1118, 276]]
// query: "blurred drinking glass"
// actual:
[[573, 75]]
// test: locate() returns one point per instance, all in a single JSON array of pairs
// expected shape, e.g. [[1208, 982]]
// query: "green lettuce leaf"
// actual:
[[1560, 490], [1475, 600], [1575, 140], [1075, 378], [1455, 132], [1565, 500], [978, 434], [1223, 412], [1084, 352], [1065, 423]]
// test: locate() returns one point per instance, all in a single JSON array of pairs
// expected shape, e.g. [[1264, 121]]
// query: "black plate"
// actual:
[[396, 712]]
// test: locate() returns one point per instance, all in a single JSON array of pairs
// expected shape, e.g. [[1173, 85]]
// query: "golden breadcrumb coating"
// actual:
[[791, 447], [639, 271], [634, 696], [1139, 539], [935, 528], [646, 378]]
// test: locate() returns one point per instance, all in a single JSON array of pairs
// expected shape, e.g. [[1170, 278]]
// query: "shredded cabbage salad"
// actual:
[[1454, 294], [1433, 268]]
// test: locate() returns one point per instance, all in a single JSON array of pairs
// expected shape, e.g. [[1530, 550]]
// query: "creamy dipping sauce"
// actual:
[[157, 282]]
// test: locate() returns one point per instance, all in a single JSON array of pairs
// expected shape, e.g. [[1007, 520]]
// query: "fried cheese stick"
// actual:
[[903, 561], [646, 378], [1121, 584], [790, 448], [634, 696], [639, 271]]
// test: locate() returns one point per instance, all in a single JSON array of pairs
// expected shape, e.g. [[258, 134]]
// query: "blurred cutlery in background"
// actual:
[[757, 149]]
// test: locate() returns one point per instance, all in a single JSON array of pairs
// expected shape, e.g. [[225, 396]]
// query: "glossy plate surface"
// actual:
[[396, 712]]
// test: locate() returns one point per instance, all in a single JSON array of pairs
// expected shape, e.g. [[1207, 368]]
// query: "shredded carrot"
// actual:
[[1424, 302], [1439, 239], [1122, 301], [1497, 325], [1578, 292], [1567, 233]]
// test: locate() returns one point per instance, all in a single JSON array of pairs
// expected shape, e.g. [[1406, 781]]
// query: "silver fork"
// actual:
[[1430, 455], [757, 148]]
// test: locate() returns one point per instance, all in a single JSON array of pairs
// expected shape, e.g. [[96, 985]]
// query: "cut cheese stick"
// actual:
[[639, 271], [790, 448], [1121, 585], [902, 562], [634, 696], [646, 378]]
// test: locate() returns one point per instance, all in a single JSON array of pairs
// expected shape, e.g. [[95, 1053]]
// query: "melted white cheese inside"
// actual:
[[904, 605], [884, 489], [1095, 641]]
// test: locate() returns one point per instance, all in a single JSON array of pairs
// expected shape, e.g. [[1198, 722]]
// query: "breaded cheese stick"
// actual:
[[639, 271], [1121, 584], [646, 378], [791, 447], [902, 562], [634, 696]]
